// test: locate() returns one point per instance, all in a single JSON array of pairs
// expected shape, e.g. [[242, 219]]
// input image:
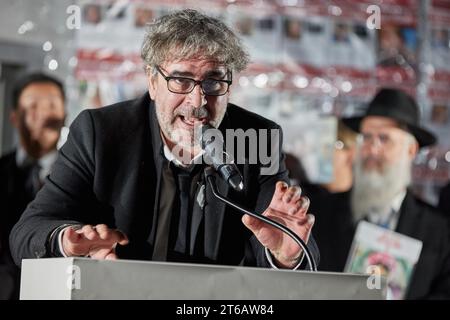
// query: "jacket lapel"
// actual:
[[158, 160], [197, 212], [214, 216], [407, 223]]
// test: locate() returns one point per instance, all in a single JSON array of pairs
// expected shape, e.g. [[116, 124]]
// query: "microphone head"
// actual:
[[206, 134], [199, 132], [236, 182], [211, 141]]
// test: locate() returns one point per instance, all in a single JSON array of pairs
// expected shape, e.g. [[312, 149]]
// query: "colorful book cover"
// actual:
[[385, 253]]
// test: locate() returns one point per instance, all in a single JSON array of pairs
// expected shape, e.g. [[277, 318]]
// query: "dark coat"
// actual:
[[334, 231], [13, 198], [109, 172], [444, 199]]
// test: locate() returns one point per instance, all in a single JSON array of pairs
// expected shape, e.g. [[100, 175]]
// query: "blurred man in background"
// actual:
[[391, 137], [330, 203], [38, 115]]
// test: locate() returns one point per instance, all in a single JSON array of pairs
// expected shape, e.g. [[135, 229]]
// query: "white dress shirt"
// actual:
[[389, 218], [45, 162]]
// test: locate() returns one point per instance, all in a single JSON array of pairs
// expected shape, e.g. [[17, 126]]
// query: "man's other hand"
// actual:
[[98, 242], [289, 208]]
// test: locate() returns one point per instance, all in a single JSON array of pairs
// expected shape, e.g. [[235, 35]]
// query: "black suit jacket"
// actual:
[[14, 199], [334, 231], [109, 172], [444, 199], [419, 220]]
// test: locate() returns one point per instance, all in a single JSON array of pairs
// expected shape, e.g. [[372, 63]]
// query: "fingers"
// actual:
[[73, 243], [103, 254], [292, 194], [96, 241], [72, 235], [309, 223], [304, 206], [309, 220], [114, 235], [285, 193], [122, 238], [300, 207], [280, 189], [102, 232], [111, 256], [89, 232], [251, 223]]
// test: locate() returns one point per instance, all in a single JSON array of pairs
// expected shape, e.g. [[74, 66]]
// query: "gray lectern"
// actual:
[[81, 278]]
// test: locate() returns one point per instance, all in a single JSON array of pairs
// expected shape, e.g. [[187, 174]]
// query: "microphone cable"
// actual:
[[311, 262]]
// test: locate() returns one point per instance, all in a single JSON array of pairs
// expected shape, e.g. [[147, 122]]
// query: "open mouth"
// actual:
[[192, 121]]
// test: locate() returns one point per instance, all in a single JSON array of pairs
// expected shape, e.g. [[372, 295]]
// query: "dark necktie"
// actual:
[[33, 182], [183, 236]]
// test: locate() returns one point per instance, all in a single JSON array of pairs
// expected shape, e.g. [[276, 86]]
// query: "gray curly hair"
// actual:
[[189, 34]]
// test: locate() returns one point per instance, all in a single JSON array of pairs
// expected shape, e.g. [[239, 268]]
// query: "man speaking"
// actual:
[[127, 184]]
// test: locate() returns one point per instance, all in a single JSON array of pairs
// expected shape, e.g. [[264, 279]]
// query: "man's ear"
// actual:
[[413, 149], [351, 152], [151, 82]]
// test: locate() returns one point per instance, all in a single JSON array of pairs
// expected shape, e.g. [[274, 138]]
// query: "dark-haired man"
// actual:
[[38, 115]]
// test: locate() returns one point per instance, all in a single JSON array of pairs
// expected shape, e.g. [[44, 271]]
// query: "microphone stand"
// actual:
[[211, 179]]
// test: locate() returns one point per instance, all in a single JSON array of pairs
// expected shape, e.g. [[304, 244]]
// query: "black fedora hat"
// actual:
[[397, 105]]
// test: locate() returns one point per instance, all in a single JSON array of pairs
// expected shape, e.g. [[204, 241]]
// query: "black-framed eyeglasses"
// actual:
[[210, 86]]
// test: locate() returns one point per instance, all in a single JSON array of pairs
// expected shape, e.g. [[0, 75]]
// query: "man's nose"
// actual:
[[44, 108], [197, 97], [375, 147]]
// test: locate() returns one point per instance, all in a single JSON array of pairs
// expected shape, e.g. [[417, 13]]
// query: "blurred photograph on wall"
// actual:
[[439, 114], [397, 45], [142, 16], [92, 14]]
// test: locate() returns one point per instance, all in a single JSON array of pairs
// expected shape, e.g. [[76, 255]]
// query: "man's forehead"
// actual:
[[39, 86], [195, 65], [379, 123], [40, 90]]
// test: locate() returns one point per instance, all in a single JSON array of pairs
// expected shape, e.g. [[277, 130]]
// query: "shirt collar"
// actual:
[[45, 162], [398, 200], [21, 157], [390, 217], [171, 158]]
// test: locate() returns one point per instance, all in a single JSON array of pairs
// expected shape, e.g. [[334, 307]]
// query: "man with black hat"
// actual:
[[391, 137]]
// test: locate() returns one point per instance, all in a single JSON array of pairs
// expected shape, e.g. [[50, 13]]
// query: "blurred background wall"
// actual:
[[310, 60]]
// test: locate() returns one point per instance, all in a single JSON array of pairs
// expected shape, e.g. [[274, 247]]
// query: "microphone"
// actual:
[[211, 141], [212, 144]]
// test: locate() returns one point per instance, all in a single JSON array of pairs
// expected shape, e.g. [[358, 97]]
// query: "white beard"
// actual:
[[375, 191]]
